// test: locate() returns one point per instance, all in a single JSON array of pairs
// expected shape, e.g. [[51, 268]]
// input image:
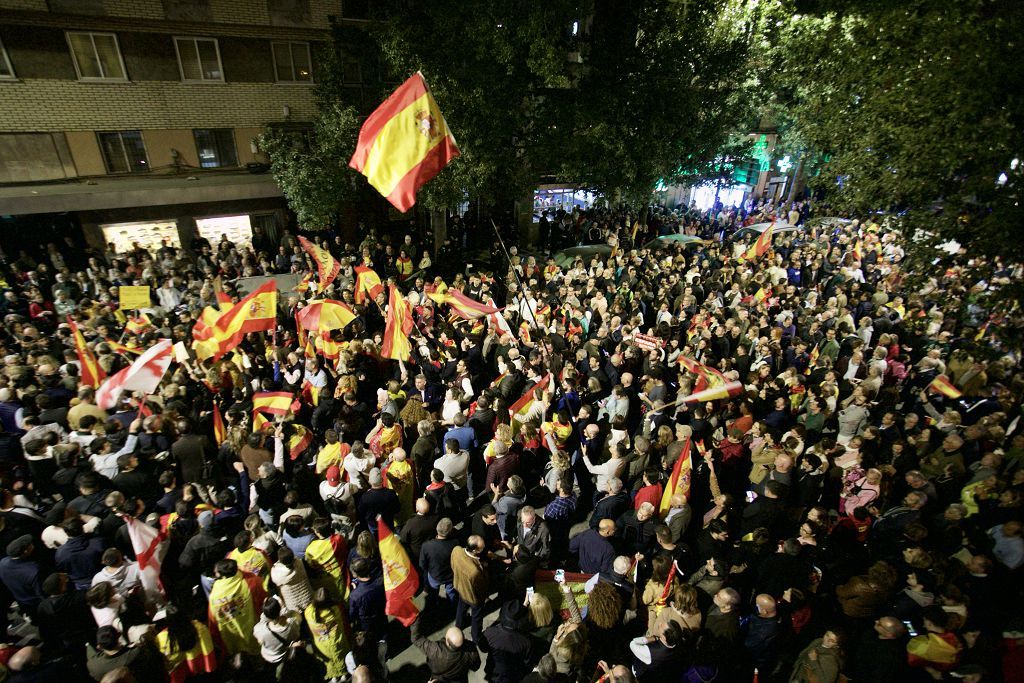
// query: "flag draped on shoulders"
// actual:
[[399, 324], [235, 605], [327, 266], [329, 558], [404, 143], [143, 375], [679, 480], [185, 664], [400, 578], [91, 373]]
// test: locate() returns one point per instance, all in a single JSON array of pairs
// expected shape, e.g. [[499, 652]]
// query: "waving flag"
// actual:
[[707, 376], [368, 284], [220, 433], [679, 481], [499, 322], [92, 374], [324, 315], [400, 579], [461, 305], [150, 546], [327, 266], [757, 297], [714, 393], [119, 348], [404, 143], [139, 325], [272, 402], [254, 313], [399, 325], [522, 406], [143, 375], [760, 246], [299, 441], [942, 385], [812, 360]]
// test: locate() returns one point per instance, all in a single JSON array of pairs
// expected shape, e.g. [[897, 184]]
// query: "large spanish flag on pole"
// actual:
[[272, 402], [397, 328], [942, 385], [327, 266], [404, 143], [256, 312], [461, 305], [400, 578], [679, 481], [91, 374]]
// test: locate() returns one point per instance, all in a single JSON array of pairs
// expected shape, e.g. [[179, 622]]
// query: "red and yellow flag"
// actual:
[[400, 578], [522, 406], [760, 246], [461, 305], [679, 481], [329, 557], [813, 359], [272, 402], [707, 376], [118, 347], [327, 266], [91, 374], [184, 664], [942, 385], [235, 606], [219, 431], [714, 393], [399, 325], [404, 143], [299, 441], [254, 313], [368, 284], [139, 324]]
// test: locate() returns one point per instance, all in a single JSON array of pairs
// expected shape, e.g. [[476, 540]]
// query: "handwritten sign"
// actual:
[[133, 297]]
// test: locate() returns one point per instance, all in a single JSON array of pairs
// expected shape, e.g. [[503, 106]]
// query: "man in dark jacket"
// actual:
[[612, 506], [880, 655], [21, 574], [366, 603], [449, 660], [377, 501], [63, 616], [508, 649], [636, 530], [204, 549], [80, 556], [435, 560], [762, 634]]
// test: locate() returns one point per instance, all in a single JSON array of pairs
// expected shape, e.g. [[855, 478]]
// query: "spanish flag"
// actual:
[[184, 664], [368, 284], [299, 441], [404, 143], [526, 401], [223, 300], [942, 385], [714, 393], [118, 347], [461, 305], [235, 606], [399, 325], [813, 359], [329, 557], [303, 285], [400, 579], [138, 325], [254, 313], [757, 297], [272, 402], [219, 431], [679, 481], [760, 246], [327, 266], [91, 374], [706, 375]]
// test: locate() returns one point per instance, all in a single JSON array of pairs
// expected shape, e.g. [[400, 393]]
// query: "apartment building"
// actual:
[[136, 120]]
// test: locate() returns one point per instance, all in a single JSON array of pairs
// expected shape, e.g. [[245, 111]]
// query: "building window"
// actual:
[[6, 70], [292, 63], [216, 147], [97, 56], [124, 151], [199, 59]]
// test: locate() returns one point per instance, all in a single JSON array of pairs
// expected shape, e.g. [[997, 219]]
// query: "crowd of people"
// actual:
[[569, 515]]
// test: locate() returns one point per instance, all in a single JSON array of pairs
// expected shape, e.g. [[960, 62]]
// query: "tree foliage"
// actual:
[[917, 104]]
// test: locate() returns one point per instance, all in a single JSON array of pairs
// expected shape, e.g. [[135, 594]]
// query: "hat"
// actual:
[[333, 475], [18, 546], [205, 519], [107, 638]]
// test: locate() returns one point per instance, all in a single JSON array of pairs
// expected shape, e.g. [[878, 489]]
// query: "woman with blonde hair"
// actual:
[[555, 469]]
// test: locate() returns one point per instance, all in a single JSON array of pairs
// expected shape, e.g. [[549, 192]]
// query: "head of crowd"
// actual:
[[715, 459]]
